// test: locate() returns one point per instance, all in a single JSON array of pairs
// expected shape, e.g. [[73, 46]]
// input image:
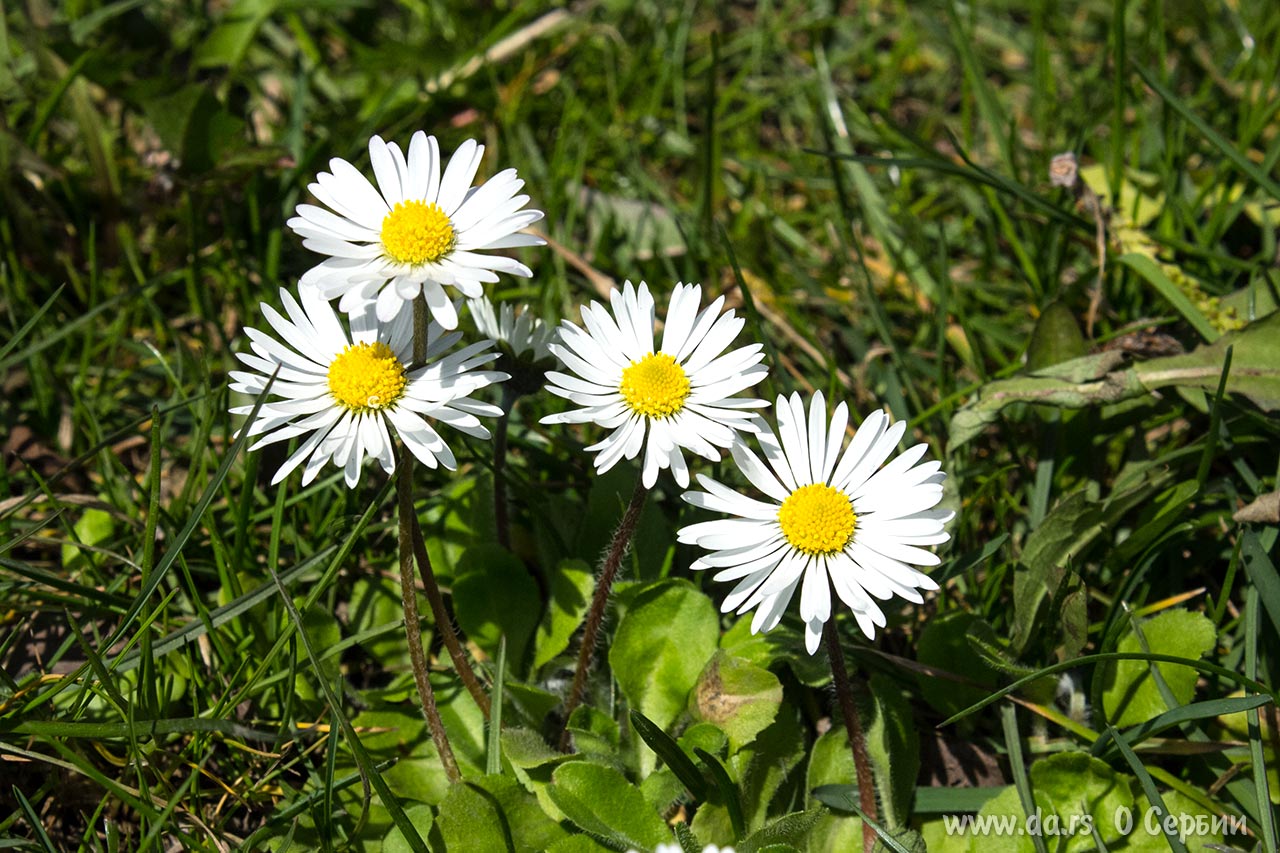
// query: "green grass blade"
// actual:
[[368, 769], [1018, 768], [1235, 155], [1149, 788]]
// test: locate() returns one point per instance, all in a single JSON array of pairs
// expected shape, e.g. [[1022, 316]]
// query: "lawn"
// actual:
[[1041, 237]]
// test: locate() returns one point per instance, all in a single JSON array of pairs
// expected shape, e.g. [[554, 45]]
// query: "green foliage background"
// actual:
[[870, 185]]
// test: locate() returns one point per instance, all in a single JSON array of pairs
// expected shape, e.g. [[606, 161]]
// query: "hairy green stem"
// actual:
[[412, 627], [857, 742], [595, 616], [444, 624]]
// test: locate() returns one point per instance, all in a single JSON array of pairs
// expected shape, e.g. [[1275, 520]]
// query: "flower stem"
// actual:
[[412, 627], [444, 624], [613, 559], [417, 544], [421, 318], [858, 743]]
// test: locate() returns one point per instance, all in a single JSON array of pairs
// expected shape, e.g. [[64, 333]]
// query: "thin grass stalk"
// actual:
[[853, 725], [600, 601], [412, 627]]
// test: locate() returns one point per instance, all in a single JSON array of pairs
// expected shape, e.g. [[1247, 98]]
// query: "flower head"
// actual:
[[677, 397], [523, 343], [343, 391], [831, 519], [417, 232]]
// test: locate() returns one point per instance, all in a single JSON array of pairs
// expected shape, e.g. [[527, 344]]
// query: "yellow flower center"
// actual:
[[417, 233], [655, 386], [817, 519], [366, 377]]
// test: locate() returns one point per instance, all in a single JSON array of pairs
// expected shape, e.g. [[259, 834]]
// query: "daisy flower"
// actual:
[[831, 519], [522, 334], [343, 392], [665, 400], [417, 232]]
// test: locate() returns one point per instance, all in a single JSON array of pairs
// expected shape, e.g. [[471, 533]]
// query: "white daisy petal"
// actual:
[[345, 391], [416, 227], [664, 406], [857, 526]]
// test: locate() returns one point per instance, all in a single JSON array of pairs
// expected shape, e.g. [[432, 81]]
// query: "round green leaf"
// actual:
[[1130, 694], [572, 584], [471, 819], [662, 644], [495, 595], [421, 817], [601, 801], [738, 697]]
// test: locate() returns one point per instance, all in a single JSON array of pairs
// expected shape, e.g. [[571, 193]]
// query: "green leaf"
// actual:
[[594, 732], [1130, 694], [226, 45], [422, 818], [1093, 381], [526, 749], [572, 584], [1041, 584], [1076, 783], [193, 124], [1072, 792], [663, 643], [1255, 365], [532, 831], [601, 801], [789, 829], [493, 594], [944, 644], [894, 749], [94, 527], [579, 844], [766, 768], [470, 819], [828, 778], [738, 697], [1055, 339]]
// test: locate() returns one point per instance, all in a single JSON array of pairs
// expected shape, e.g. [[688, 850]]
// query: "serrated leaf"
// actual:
[[663, 643], [1076, 384], [601, 801], [1130, 693], [741, 699], [1255, 365]]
